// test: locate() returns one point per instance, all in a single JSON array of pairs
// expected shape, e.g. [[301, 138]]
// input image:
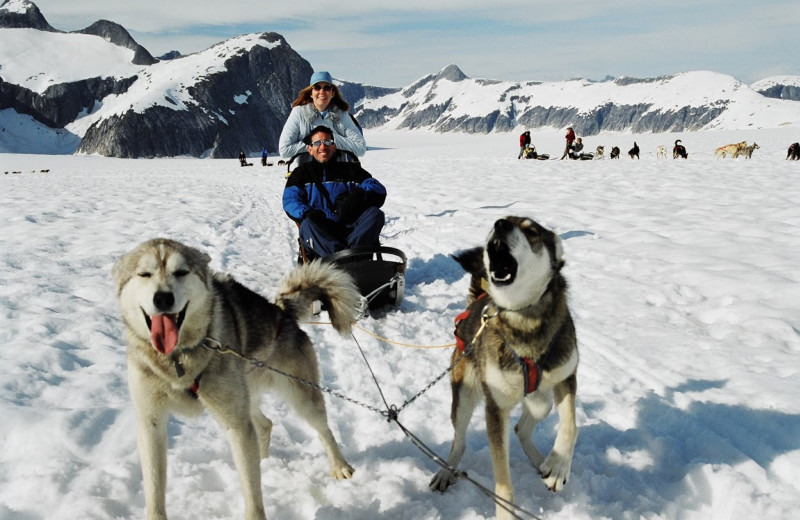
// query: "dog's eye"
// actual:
[[144, 274], [180, 273]]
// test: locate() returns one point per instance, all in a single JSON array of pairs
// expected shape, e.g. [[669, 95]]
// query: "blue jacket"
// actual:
[[304, 118], [316, 185]]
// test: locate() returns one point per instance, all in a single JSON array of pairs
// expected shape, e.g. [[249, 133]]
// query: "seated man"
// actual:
[[335, 203], [575, 150]]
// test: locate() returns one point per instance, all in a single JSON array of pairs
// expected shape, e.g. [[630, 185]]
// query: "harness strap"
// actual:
[[461, 344], [531, 371]]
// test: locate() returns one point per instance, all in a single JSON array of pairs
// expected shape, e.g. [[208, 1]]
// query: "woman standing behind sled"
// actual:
[[320, 103]]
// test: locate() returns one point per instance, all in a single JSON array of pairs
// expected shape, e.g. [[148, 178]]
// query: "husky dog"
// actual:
[[634, 152], [173, 307], [517, 344], [615, 152], [661, 152], [734, 150], [793, 153], [748, 151], [599, 153], [679, 150]]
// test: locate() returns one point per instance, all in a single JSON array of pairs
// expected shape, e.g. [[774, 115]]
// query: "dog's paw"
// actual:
[[555, 471], [342, 472], [442, 480]]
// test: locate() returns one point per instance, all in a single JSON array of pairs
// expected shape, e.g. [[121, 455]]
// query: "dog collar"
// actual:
[[192, 391]]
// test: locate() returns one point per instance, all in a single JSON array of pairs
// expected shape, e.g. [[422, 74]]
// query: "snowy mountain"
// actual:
[[103, 90], [450, 101], [780, 87], [97, 91]]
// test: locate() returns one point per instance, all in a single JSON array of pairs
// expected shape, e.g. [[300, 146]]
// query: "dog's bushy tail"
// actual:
[[318, 281]]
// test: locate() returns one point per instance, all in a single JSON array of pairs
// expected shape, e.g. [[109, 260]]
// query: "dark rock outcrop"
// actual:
[[215, 124], [61, 104], [790, 92], [118, 35], [25, 15]]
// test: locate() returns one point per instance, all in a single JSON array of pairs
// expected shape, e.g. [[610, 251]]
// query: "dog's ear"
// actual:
[[471, 261], [558, 253], [122, 270]]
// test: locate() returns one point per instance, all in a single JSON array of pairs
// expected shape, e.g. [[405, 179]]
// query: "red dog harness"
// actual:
[[531, 371]]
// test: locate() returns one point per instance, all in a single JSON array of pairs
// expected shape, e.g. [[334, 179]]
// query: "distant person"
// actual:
[[264, 155], [524, 142], [570, 137], [576, 149], [242, 158], [321, 104], [336, 204]]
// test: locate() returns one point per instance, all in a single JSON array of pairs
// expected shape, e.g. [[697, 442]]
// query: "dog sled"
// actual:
[[530, 153], [379, 273], [304, 157]]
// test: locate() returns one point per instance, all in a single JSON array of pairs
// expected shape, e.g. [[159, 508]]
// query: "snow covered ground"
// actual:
[[684, 287]]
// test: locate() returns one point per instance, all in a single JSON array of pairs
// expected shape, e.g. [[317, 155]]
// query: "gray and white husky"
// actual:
[[516, 344], [173, 306]]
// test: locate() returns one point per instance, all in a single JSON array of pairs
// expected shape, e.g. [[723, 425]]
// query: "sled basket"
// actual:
[[378, 271]]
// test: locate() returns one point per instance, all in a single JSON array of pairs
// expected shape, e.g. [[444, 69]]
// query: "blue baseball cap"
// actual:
[[322, 76]]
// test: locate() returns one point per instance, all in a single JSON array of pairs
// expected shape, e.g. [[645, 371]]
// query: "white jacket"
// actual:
[[304, 118]]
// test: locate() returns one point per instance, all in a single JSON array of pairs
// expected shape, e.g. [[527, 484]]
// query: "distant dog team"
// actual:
[[734, 150]]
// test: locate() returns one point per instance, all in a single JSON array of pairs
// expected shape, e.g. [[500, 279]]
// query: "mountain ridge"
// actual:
[[114, 98]]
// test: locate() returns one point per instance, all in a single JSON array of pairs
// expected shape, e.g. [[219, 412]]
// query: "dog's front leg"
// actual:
[[556, 467], [151, 441], [244, 445], [234, 416], [152, 444], [497, 431], [535, 408], [465, 399]]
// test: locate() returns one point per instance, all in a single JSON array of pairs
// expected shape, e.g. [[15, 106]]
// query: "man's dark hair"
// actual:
[[320, 128]]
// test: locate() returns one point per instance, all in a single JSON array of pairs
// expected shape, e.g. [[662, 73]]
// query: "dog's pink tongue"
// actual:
[[164, 333]]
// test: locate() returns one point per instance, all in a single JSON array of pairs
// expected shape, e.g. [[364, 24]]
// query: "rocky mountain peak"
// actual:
[[452, 73], [22, 14], [118, 35]]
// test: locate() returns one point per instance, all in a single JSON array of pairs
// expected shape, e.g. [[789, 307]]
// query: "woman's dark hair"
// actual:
[[304, 98]]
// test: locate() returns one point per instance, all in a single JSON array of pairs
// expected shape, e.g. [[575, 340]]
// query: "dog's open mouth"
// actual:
[[164, 329], [502, 264]]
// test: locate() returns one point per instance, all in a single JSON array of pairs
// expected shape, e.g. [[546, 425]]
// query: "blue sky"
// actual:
[[393, 45]]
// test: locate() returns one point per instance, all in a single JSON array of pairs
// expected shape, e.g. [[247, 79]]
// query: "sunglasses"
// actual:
[[326, 142], [326, 88]]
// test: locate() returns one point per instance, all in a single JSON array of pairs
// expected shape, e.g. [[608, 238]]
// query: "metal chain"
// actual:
[[391, 415], [216, 346], [432, 383]]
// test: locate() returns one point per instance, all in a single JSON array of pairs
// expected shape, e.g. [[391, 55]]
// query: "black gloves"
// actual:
[[315, 215], [351, 205]]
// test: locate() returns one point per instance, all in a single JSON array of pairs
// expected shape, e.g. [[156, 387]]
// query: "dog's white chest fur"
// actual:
[[506, 386]]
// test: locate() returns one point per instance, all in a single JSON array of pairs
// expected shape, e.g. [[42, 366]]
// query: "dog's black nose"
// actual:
[[164, 300], [503, 225]]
